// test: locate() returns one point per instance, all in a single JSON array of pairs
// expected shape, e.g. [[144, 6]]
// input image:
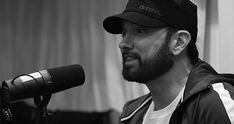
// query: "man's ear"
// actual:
[[179, 41]]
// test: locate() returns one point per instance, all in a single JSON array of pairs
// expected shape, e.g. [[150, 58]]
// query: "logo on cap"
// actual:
[[150, 10]]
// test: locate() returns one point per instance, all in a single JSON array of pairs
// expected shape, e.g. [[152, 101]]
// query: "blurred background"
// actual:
[[42, 34]]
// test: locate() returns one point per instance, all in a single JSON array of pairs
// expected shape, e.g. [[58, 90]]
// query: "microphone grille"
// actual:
[[66, 77]]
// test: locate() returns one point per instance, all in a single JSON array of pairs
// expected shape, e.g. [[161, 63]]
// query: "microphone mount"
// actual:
[[44, 117]]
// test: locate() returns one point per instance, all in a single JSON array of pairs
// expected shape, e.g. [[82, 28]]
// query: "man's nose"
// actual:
[[126, 44]]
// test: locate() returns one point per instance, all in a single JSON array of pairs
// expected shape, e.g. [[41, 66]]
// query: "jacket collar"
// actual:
[[135, 106], [197, 81], [198, 78]]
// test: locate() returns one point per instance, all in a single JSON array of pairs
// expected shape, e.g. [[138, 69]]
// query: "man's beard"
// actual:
[[151, 68]]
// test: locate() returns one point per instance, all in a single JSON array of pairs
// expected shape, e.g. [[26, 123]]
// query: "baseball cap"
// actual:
[[180, 14]]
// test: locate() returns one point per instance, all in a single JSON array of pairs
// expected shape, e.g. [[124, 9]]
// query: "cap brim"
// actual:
[[113, 24]]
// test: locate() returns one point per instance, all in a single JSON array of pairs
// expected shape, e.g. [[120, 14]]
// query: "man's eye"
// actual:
[[123, 34], [140, 31]]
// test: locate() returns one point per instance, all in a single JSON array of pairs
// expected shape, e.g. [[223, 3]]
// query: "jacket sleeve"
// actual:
[[217, 106]]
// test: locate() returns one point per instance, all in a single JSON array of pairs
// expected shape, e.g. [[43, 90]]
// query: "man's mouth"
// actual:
[[130, 58]]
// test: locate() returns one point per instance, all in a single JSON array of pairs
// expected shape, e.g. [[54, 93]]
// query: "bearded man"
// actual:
[[159, 50]]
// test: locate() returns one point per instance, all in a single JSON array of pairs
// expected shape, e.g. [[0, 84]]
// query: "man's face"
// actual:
[[145, 52]]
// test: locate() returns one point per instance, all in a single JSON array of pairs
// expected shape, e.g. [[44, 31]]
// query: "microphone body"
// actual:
[[42, 82]]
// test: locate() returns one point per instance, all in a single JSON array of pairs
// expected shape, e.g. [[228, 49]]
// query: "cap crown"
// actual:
[[181, 14]]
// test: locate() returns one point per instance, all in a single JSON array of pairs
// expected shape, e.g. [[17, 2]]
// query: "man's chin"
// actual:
[[127, 75], [134, 80], [133, 77], [130, 79]]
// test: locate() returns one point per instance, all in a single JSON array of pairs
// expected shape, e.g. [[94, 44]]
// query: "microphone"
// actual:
[[42, 82]]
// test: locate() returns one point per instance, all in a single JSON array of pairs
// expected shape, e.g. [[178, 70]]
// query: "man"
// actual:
[[159, 50]]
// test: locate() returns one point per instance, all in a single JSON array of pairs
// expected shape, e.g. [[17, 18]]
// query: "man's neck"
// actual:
[[167, 87]]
